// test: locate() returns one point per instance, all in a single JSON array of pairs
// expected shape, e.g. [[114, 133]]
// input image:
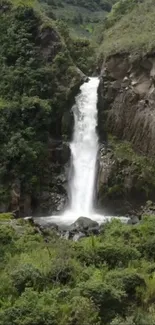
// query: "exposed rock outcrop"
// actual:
[[127, 101], [49, 42], [126, 110], [83, 223]]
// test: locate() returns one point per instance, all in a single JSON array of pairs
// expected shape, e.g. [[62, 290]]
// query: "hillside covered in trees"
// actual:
[[80, 15]]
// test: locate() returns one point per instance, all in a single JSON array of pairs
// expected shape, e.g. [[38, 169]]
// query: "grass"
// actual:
[[134, 33]]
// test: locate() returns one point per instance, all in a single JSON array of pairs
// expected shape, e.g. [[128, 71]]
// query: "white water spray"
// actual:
[[84, 149]]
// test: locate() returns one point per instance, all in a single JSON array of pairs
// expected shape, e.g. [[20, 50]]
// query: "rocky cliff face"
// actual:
[[127, 98], [126, 111]]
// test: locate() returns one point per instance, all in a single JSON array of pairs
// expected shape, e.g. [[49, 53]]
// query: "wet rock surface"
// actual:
[[83, 223], [81, 228]]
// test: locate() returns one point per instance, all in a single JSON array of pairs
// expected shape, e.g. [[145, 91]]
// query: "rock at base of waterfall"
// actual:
[[30, 220], [43, 223], [84, 224], [78, 236], [133, 220], [93, 231]]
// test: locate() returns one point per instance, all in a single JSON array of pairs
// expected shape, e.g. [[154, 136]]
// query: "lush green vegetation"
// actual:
[[143, 167], [128, 29], [132, 176], [90, 4], [82, 51], [38, 80], [106, 280], [81, 15]]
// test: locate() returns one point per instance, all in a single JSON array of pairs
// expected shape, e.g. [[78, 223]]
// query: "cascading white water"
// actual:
[[84, 148]]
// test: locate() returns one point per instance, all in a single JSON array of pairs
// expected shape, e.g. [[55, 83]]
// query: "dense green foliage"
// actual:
[[90, 4], [38, 78], [131, 180], [142, 167], [106, 280], [81, 50]]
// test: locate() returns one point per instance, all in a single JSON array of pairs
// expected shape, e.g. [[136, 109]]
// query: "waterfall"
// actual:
[[84, 149]]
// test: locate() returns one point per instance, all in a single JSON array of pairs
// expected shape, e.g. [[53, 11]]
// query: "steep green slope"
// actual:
[[38, 81], [131, 29], [82, 16]]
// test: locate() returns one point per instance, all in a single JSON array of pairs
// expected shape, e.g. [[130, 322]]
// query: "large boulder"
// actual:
[[83, 224]]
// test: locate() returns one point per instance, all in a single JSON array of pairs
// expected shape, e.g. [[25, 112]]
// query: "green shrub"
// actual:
[[62, 271], [148, 249], [128, 280], [5, 216], [109, 300], [27, 276], [80, 310], [110, 252], [31, 308]]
